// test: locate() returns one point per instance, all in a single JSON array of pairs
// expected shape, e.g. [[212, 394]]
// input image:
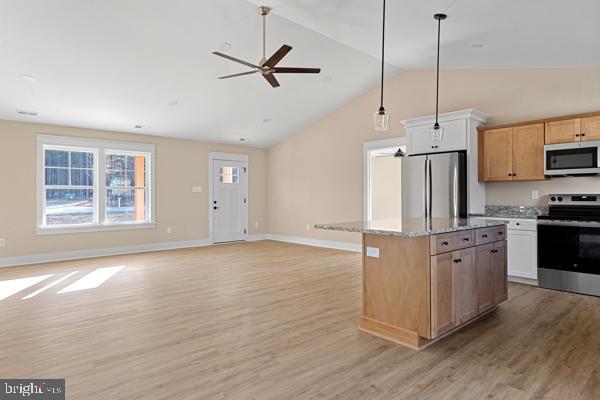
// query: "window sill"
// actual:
[[93, 228]]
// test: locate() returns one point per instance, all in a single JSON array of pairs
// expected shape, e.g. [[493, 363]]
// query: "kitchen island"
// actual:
[[423, 279]]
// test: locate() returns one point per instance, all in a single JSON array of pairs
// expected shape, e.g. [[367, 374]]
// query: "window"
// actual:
[[229, 174], [93, 185]]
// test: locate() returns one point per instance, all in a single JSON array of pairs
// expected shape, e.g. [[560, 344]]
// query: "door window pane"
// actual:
[[229, 175]]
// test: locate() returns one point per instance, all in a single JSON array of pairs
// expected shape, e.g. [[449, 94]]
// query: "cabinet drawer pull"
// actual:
[[465, 239], [458, 260], [501, 233], [484, 236], [444, 243], [494, 251]]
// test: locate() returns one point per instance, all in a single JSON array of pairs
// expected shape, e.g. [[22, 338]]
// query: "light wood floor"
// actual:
[[269, 320]]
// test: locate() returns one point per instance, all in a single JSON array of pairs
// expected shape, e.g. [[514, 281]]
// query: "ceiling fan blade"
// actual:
[[240, 74], [237, 60], [271, 79], [278, 55], [294, 70]]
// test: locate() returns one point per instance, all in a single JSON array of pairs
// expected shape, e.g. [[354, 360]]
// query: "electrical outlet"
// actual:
[[196, 189], [535, 195], [256, 224], [2, 242], [170, 230], [308, 227]]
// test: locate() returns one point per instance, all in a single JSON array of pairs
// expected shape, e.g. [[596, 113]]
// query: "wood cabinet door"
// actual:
[[463, 275], [528, 152], [484, 277], [498, 262], [442, 300], [564, 131], [497, 154], [590, 128]]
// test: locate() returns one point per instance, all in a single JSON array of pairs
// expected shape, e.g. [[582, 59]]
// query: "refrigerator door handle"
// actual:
[[428, 188]]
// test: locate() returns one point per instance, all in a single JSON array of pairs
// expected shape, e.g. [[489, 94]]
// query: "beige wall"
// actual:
[[386, 187], [315, 176], [180, 164]]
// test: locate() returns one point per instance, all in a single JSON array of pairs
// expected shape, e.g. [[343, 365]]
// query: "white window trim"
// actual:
[[98, 147]]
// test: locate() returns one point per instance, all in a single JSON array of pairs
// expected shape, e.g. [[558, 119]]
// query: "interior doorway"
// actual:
[[382, 179], [228, 198]]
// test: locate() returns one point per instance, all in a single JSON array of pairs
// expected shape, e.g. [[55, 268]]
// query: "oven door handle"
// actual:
[[578, 224]]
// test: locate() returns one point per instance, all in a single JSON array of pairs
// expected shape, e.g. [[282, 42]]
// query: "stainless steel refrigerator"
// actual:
[[435, 185]]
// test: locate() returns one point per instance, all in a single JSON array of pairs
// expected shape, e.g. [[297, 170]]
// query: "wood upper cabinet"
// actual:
[[563, 131], [528, 152], [513, 153], [497, 159], [590, 128]]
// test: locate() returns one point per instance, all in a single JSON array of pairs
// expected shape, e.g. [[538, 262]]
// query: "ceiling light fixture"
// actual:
[[225, 46], [27, 78], [381, 116], [477, 45], [141, 126], [266, 120], [437, 132], [27, 113], [173, 103], [243, 139]]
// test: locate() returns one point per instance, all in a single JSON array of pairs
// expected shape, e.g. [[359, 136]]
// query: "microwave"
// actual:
[[578, 158]]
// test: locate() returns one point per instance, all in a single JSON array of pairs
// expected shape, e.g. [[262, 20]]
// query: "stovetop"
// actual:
[[573, 207]]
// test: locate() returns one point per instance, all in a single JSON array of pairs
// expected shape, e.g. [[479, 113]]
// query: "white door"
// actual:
[[229, 201]]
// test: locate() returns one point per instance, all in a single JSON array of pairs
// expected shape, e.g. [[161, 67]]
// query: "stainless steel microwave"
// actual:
[[579, 158]]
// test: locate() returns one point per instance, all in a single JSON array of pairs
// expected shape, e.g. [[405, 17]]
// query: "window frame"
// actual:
[[99, 148]]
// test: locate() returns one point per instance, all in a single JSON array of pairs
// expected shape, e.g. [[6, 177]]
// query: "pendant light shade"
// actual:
[[381, 116], [437, 132]]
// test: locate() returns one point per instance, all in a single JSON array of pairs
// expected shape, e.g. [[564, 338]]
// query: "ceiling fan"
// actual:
[[268, 67]]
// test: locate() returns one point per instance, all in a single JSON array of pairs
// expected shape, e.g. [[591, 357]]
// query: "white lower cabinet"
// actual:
[[522, 247]]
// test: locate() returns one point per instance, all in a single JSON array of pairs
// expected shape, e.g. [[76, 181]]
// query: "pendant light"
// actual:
[[381, 116], [437, 132]]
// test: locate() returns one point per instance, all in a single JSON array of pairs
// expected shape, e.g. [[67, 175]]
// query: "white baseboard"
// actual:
[[79, 254], [144, 248], [526, 281], [356, 247]]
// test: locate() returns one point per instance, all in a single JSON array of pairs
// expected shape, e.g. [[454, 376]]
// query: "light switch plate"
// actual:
[[535, 195], [2, 242], [373, 252], [196, 189]]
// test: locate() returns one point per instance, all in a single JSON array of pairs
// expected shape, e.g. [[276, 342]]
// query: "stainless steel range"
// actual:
[[569, 244]]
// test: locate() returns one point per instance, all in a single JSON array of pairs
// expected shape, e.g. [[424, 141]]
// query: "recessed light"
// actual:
[[243, 139], [173, 103], [27, 78], [225, 46], [477, 45], [266, 120], [141, 126], [27, 113]]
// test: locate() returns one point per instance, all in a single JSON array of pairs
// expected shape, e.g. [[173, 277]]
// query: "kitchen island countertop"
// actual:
[[411, 227]]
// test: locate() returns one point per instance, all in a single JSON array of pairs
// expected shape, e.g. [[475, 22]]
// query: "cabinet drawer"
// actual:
[[489, 235], [446, 242]]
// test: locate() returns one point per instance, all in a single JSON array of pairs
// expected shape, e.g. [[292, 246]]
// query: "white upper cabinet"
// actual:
[[419, 139], [459, 133]]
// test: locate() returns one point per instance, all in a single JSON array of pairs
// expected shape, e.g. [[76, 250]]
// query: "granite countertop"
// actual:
[[412, 227], [519, 212]]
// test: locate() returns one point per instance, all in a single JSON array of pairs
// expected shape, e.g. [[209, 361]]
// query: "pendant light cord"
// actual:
[[382, 53], [437, 78]]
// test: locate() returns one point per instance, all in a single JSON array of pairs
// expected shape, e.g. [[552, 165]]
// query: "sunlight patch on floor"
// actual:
[[13, 286], [48, 286], [93, 279]]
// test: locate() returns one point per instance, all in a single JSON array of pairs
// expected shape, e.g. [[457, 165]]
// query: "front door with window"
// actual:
[[229, 201]]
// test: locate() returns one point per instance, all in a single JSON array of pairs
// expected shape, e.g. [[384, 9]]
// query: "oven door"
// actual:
[[569, 256], [572, 158]]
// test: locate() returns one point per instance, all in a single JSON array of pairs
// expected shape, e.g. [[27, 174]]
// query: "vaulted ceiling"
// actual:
[[114, 64]]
